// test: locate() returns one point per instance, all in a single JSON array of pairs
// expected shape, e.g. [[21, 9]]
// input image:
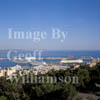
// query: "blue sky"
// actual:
[[80, 18]]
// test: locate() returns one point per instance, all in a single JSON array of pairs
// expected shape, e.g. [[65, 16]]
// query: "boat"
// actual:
[[72, 61], [30, 60]]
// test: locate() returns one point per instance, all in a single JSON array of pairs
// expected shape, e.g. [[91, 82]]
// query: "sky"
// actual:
[[79, 18]]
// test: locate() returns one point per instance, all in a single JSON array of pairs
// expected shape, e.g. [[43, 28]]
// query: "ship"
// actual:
[[28, 60], [71, 61]]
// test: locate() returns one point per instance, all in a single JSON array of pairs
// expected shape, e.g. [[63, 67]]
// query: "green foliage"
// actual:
[[50, 91], [84, 78], [3, 98]]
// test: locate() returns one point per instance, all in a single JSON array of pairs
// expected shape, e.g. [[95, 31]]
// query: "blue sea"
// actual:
[[58, 53]]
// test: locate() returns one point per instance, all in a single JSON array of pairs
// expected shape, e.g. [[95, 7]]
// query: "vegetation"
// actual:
[[88, 78]]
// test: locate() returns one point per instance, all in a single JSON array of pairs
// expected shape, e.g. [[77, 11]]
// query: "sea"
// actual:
[[45, 53]]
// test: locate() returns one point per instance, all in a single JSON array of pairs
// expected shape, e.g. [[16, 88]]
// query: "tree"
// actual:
[[3, 98], [84, 78]]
